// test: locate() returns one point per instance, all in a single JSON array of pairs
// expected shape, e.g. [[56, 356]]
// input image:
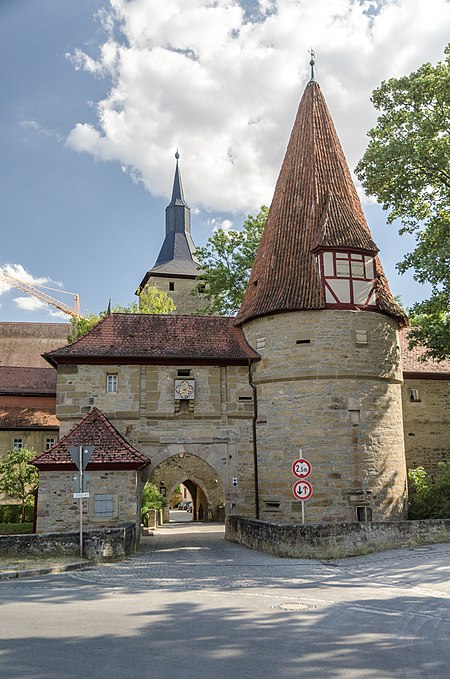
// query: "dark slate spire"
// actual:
[[177, 252], [315, 205]]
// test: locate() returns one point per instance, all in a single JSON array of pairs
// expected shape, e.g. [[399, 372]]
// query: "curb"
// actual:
[[32, 572]]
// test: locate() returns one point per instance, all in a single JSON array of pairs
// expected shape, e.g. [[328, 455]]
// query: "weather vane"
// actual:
[[312, 62], [177, 155]]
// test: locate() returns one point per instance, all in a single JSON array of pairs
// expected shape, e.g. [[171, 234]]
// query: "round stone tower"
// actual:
[[319, 311]]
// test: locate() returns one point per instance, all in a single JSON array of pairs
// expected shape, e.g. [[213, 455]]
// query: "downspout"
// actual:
[[255, 446]]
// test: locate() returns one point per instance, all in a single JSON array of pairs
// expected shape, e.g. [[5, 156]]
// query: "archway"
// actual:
[[201, 480]]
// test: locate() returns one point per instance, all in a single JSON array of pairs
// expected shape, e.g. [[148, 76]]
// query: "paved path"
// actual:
[[192, 605]]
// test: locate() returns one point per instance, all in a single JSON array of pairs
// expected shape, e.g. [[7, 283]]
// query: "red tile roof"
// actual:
[[112, 451], [413, 366], [15, 380], [157, 338], [315, 205], [20, 417]]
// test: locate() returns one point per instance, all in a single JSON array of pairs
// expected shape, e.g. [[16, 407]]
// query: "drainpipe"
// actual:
[[255, 446]]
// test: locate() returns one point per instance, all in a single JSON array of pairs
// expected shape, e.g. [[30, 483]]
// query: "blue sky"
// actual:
[[97, 96]]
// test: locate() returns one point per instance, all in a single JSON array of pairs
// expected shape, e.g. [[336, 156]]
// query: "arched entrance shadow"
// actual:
[[201, 480]]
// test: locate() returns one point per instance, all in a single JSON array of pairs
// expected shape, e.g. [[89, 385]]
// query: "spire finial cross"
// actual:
[[312, 62]]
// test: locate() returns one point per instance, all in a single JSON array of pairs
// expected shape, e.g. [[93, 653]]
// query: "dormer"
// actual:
[[345, 255]]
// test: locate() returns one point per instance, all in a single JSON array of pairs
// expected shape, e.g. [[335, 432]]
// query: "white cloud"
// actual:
[[28, 303], [19, 272], [37, 128], [223, 88]]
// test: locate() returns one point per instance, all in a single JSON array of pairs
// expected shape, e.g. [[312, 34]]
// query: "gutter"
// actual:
[[255, 445]]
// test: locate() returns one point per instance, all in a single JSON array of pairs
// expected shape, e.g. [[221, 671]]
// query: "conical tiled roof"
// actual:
[[112, 450], [315, 205]]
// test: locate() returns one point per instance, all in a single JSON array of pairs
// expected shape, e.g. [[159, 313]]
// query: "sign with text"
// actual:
[[301, 468]]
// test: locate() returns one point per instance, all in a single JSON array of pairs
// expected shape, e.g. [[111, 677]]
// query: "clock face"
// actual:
[[184, 389]]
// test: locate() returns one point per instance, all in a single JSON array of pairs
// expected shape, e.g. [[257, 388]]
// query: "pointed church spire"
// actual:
[[315, 207], [177, 252]]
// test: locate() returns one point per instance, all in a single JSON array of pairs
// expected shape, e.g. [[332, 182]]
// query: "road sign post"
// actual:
[[302, 490], [80, 456]]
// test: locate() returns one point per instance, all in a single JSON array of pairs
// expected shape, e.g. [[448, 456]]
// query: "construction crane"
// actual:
[[34, 292]]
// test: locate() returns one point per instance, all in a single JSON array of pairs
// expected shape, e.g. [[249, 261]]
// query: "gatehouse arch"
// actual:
[[203, 482]]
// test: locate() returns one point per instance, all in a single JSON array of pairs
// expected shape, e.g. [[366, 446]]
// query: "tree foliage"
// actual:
[[429, 498], [152, 300], [407, 167], [18, 479], [226, 260], [151, 499]]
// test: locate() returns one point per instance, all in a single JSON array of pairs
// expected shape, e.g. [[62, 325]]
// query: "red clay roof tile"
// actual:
[[15, 380], [315, 204], [20, 417], [158, 337], [111, 448], [412, 364]]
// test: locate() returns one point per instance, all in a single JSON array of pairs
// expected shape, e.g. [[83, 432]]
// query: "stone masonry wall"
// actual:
[[58, 511], [215, 427], [339, 400], [333, 541], [185, 303], [426, 423]]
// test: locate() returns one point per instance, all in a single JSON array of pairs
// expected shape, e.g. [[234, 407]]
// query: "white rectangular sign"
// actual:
[[78, 496]]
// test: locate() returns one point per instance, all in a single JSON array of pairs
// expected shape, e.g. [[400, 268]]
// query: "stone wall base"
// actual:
[[103, 544], [333, 541]]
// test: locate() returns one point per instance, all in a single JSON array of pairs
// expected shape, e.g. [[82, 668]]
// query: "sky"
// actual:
[[97, 96]]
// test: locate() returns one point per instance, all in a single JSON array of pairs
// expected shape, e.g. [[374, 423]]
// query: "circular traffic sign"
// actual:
[[301, 468], [302, 490]]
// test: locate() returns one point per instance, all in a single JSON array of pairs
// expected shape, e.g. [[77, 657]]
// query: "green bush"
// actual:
[[12, 513], [151, 499], [429, 498], [15, 528]]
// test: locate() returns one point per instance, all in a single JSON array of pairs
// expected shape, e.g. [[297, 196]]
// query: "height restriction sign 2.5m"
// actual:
[[301, 468]]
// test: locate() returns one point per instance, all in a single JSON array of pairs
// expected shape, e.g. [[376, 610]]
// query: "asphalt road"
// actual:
[[191, 605]]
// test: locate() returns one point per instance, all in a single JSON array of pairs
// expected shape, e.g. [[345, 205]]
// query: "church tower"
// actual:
[[176, 267], [319, 311]]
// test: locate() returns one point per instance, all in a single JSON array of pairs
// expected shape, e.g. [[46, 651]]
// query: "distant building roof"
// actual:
[[315, 205], [142, 338], [20, 417], [15, 380], [21, 344], [414, 367], [112, 450]]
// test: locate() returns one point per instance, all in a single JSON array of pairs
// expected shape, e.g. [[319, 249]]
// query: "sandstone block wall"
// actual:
[[339, 400], [427, 423], [215, 427], [334, 541], [185, 303], [58, 511]]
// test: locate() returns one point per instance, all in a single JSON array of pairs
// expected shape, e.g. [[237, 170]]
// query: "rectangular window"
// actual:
[[361, 336], [17, 444], [260, 343], [49, 443], [171, 287], [342, 268], [183, 373], [357, 269], [414, 396], [363, 514], [111, 383], [103, 504]]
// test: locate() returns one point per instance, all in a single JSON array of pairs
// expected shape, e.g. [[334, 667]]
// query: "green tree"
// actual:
[[151, 499], [152, 300], [18, 479], [429, 498], [407, 167], [226, 260]]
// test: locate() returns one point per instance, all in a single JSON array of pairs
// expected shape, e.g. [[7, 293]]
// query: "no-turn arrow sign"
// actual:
[[302, 490]]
